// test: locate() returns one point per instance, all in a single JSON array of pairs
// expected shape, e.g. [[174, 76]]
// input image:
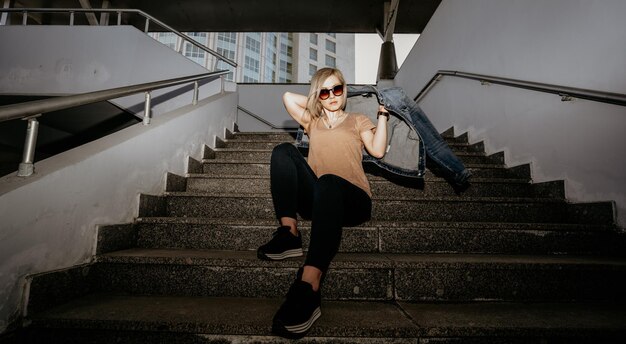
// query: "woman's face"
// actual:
[[332, 103]]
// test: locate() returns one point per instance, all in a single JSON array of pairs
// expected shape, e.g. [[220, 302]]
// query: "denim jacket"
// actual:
[[410, 134]]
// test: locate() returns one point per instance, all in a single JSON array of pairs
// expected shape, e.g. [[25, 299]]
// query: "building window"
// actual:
[[333, 35], [330, 46], [330, 61], [167, 38], [312, 69], [285, 64], [313, 54], [194, 53], [227, 46], [285, 71], [313, 38], [252, 43], [251, 70], [227, 37], [271, 59]]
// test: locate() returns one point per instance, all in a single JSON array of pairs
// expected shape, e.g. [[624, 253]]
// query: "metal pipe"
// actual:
[[262, 120], [72, 18], [146, 110], [195, 93], [145, 30], [27, 109], [119, 18], [603, 97], [27, 167], [24, 18]]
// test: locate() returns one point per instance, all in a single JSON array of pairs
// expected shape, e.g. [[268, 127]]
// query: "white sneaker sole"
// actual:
[[305, 326], [297, 252]]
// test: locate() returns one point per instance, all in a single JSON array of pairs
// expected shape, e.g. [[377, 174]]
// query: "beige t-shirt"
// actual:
[[339, 150]]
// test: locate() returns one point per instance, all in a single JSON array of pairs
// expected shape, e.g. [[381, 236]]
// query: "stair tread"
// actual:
[[388, 224], [461, 198], [237, 161], [345, 260], [252, 316], [372, 178], [480, 154]]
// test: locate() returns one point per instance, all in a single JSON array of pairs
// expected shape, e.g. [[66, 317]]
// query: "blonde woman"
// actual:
[[331, 190]]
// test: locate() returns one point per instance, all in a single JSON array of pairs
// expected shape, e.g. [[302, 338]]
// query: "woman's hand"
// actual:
[[376, 143]]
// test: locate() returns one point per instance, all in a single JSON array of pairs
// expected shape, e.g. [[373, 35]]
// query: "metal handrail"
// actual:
[[262, 120], [33, 109], [566, 93], [119, 12]]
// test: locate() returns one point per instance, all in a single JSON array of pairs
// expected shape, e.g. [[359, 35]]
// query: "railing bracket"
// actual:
[[27, 166], [146, 112], [195, 93], [566, 97]]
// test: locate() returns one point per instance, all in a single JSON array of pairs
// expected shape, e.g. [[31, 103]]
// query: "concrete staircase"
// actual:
[[507, 261]]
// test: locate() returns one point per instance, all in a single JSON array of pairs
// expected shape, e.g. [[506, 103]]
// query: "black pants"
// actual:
[[330, 202]]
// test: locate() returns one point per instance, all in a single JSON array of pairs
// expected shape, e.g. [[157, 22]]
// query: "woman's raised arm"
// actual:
[[296, 105], [376, 143]]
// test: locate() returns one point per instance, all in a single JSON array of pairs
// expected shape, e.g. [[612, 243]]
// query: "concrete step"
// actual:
[[265, 136], [105, 318], [478, 147], [388, 237], [436, 209], [290, 137], [354, 276], [263, 155], [481, 187], [251, 167]]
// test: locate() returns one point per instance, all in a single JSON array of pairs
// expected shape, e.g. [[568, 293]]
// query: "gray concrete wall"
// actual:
[[571, 43], [49, 219], [62, 60], [266, 101]]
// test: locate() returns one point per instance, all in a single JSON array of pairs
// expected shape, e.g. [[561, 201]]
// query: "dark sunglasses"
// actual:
[[325, 92]]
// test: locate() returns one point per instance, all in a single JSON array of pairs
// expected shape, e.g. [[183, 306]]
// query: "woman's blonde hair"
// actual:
[[313, 104]]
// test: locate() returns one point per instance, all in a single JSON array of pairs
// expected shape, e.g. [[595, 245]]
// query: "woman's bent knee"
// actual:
[[284, 148]]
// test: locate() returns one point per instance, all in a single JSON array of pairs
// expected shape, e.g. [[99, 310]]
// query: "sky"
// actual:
[[367, 52]]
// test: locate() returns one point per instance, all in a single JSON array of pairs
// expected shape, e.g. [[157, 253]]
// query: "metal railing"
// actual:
[[262, 120], [148, 20], [566, 93], [32, 110]]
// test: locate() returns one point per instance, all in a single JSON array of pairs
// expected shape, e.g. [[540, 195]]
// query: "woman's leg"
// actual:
[[336, 203], [292, 183]]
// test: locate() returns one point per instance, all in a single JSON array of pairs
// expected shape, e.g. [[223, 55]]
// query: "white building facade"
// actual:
[[270, 57]]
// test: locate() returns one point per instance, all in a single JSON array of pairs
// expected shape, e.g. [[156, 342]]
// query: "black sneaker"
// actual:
[[283, 245], [299, 311]]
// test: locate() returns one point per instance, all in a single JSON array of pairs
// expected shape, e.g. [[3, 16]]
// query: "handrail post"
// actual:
[[71, 18], [146, 111], [27, 166], [145, 30], [222, 82], [195, 93], [24, 17], [119, 18]]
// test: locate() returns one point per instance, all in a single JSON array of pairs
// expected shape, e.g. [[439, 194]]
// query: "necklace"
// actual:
[[336, 121]]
